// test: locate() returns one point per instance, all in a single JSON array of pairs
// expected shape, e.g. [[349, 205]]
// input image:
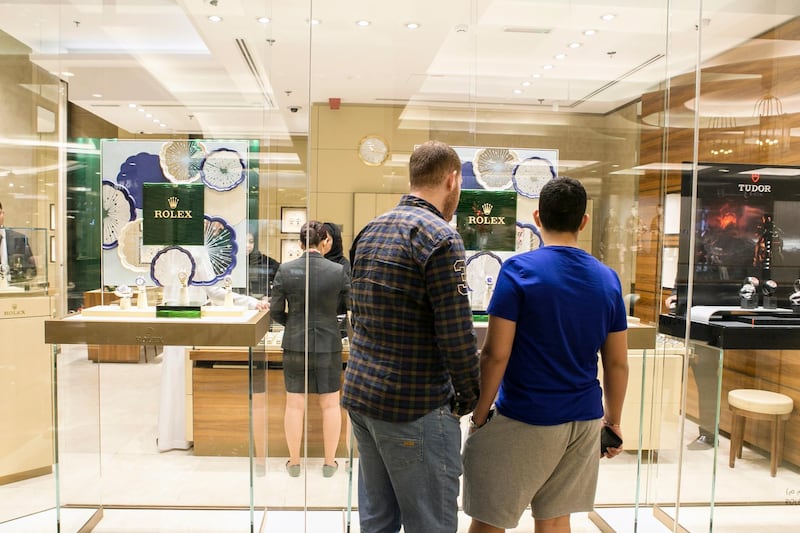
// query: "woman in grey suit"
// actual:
[[327, 283]]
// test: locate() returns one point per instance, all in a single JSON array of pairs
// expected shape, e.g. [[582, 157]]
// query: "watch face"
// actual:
[[223, 169], [373, 150]]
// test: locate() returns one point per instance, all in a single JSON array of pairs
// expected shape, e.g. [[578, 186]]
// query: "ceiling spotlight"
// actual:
[[560, 56], [517, 91], [263, 20], [97, 95], [67, 74], [215, 18], [574, 45], [131, 105], [163, 125], [536, 76], [608, 16], [363, 23], [547, 67], [526, 84], [314, 22], [412, 25], [590, 32]]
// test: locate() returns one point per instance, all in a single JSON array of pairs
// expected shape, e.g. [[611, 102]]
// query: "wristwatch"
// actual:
[[474, 425]]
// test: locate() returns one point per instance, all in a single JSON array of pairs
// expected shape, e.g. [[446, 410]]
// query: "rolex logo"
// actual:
[[482, 215], [173, 202]]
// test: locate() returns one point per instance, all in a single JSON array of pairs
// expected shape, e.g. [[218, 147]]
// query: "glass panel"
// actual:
[[31, 117], [733, 106], [321, 104]]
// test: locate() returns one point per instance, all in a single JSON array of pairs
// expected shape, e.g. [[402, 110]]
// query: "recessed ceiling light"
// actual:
[[316, 21], [536, 76], [131, 105], [363, 23], [547, 67], [526, 84], [149, 115], [412, 25], [140, 110], [590, 32], [574, 45], [97, 95], [517, 91], [215, 18], [609, 16], [156, 120], [163, 125], [263, 20], [67, 74], [560, 56]]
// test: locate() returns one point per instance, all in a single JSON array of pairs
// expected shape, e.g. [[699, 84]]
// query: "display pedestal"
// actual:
[[242, 331], [26, 401]]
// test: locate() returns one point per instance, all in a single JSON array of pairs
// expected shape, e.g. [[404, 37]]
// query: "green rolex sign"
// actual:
[[173, 214], [487, 220]]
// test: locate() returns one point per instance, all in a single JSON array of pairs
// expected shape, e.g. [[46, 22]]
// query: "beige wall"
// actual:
[[342, 189]]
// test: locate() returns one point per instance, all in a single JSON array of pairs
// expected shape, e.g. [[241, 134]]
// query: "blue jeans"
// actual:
[[408, 473]]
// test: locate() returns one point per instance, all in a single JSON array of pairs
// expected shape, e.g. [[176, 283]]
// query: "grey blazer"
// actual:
[[327, 282]]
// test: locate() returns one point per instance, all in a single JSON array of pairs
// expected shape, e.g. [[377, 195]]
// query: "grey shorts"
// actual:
[[509, 465]]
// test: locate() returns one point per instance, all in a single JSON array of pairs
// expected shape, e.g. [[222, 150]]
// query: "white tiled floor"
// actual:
[[121, 467]]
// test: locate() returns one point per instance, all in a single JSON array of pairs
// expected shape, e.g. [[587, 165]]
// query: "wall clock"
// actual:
[[373, 150]]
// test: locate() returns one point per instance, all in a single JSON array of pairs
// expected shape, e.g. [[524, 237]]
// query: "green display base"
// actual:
[[178, 311]]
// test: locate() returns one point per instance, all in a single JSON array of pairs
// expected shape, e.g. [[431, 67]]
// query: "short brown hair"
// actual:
[[430, 162]]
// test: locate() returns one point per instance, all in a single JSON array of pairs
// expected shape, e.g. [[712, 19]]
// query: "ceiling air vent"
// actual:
[[527, 29]]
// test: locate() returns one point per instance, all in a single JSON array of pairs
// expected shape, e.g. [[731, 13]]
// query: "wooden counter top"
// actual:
[[213, 331]]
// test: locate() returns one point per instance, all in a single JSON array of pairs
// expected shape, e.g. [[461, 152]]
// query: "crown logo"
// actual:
[[173, 202], [487, 208]]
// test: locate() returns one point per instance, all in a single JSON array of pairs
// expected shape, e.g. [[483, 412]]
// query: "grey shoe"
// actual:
[[294, 470], [330, 470]]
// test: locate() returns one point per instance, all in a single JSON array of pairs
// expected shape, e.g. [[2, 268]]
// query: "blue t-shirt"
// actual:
[[565, 303]]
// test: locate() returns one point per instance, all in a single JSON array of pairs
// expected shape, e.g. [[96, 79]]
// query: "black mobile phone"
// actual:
[[608, 439]]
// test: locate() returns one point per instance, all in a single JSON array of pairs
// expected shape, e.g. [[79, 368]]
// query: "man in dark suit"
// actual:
[[15, 253]]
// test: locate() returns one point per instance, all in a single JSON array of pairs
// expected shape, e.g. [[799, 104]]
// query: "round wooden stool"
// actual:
[[759, 405]]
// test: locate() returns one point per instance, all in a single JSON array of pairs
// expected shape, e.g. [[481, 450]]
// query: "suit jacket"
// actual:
[[327, 282], [20, 257]]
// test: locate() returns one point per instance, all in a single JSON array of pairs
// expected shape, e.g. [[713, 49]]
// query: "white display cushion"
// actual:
[[12, 288], [115, 311], [760, 401]]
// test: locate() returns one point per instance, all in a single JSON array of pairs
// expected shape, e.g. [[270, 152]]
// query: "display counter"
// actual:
[[26, 395], [219, 401], [754, 356], [244, 330]]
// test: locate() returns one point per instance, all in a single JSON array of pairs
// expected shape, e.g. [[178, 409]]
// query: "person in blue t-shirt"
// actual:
[[552, 310]]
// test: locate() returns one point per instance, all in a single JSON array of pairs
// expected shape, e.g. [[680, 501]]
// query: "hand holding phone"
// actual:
[[608, 439]]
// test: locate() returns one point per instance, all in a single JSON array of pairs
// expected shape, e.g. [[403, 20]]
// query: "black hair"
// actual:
[[312, 233], [562, 204], [337, 248]]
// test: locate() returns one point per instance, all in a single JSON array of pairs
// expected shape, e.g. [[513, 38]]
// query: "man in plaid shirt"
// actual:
[[413, 365]]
